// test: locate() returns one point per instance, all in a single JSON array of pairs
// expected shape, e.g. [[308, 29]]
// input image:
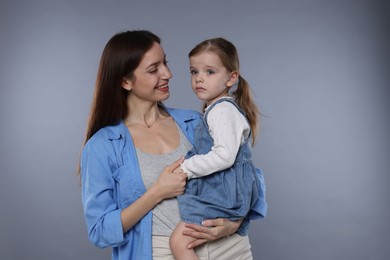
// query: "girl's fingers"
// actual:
[[174, 165]]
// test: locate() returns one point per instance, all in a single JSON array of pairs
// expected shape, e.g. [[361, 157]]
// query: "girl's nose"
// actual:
[[199, 79]]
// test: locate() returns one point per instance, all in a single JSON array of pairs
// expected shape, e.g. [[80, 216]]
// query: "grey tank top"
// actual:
[[166, 214]]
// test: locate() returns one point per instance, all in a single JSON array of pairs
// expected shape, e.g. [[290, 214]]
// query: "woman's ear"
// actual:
[[126, 84], [233, 78]]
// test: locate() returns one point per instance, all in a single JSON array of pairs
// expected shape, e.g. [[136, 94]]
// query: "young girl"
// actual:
[[222, 151]]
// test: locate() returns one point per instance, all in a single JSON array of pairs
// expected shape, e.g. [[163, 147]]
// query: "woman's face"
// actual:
[[151, 77]]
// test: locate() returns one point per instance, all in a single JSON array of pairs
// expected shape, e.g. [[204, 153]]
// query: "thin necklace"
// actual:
[[148, 126], [155, 120]]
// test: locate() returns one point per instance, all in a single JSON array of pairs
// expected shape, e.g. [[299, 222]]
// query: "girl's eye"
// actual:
[[210, 72], [193, 72]]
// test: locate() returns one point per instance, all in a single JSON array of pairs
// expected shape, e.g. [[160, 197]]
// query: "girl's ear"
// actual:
[[126, 84], [233, 78]]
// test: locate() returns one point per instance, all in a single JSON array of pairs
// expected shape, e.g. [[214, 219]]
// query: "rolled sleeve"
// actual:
[[101, 211]]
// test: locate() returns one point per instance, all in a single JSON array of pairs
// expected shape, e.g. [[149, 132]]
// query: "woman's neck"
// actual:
[[142, 114]]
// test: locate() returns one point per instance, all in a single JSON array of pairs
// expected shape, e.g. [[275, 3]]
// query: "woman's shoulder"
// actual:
[[183, 113], [106, 135]]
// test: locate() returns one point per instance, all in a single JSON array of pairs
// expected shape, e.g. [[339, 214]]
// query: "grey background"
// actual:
[[319, 70]]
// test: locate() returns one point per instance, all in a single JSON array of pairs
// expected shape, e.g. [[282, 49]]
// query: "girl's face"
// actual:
[[209, 78], [151, 77]]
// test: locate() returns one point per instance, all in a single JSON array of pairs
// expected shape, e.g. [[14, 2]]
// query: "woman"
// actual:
[[133, 145]]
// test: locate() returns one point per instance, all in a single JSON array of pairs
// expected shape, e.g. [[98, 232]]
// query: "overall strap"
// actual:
[[225, 99]]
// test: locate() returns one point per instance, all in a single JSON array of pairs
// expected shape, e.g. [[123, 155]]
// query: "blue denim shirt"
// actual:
[[111, 181]]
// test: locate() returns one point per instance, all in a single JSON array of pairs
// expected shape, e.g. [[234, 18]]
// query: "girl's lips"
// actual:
[[200, 89]]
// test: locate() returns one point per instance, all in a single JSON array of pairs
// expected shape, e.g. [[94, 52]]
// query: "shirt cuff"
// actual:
[[186, 171]]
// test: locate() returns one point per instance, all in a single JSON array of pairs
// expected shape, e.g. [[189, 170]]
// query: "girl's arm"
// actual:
[[228, 128]]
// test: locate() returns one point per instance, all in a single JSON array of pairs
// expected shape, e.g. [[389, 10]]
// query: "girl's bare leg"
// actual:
[[178, 243]]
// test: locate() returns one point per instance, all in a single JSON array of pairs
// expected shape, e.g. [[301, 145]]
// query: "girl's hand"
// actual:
[[169, 184], [210, 230], [178, 170]]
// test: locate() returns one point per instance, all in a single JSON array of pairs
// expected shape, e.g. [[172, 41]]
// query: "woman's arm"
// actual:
[[106, 222], [217, 228], [211, 229], [168, 185]]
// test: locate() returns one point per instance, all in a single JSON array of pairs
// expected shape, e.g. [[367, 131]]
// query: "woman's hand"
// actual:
[[210, 230], [170, 184]]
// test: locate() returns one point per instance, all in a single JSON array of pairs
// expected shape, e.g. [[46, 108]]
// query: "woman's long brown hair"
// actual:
[[228, 55], [121, 56]]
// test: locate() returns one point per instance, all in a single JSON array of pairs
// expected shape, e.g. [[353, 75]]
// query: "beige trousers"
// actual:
[[231, 247]]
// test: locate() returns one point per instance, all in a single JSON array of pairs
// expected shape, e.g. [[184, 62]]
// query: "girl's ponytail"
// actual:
[[244, 99]]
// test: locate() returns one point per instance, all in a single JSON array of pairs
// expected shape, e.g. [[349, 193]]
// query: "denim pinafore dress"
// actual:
[[228, 193]]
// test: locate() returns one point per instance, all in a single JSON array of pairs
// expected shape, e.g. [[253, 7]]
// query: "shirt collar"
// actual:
[[181, 116]]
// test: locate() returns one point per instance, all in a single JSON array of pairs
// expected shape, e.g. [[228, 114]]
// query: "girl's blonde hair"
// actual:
[[228, 55]]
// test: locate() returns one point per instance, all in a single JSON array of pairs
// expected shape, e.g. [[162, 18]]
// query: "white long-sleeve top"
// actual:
[[229, 129]]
